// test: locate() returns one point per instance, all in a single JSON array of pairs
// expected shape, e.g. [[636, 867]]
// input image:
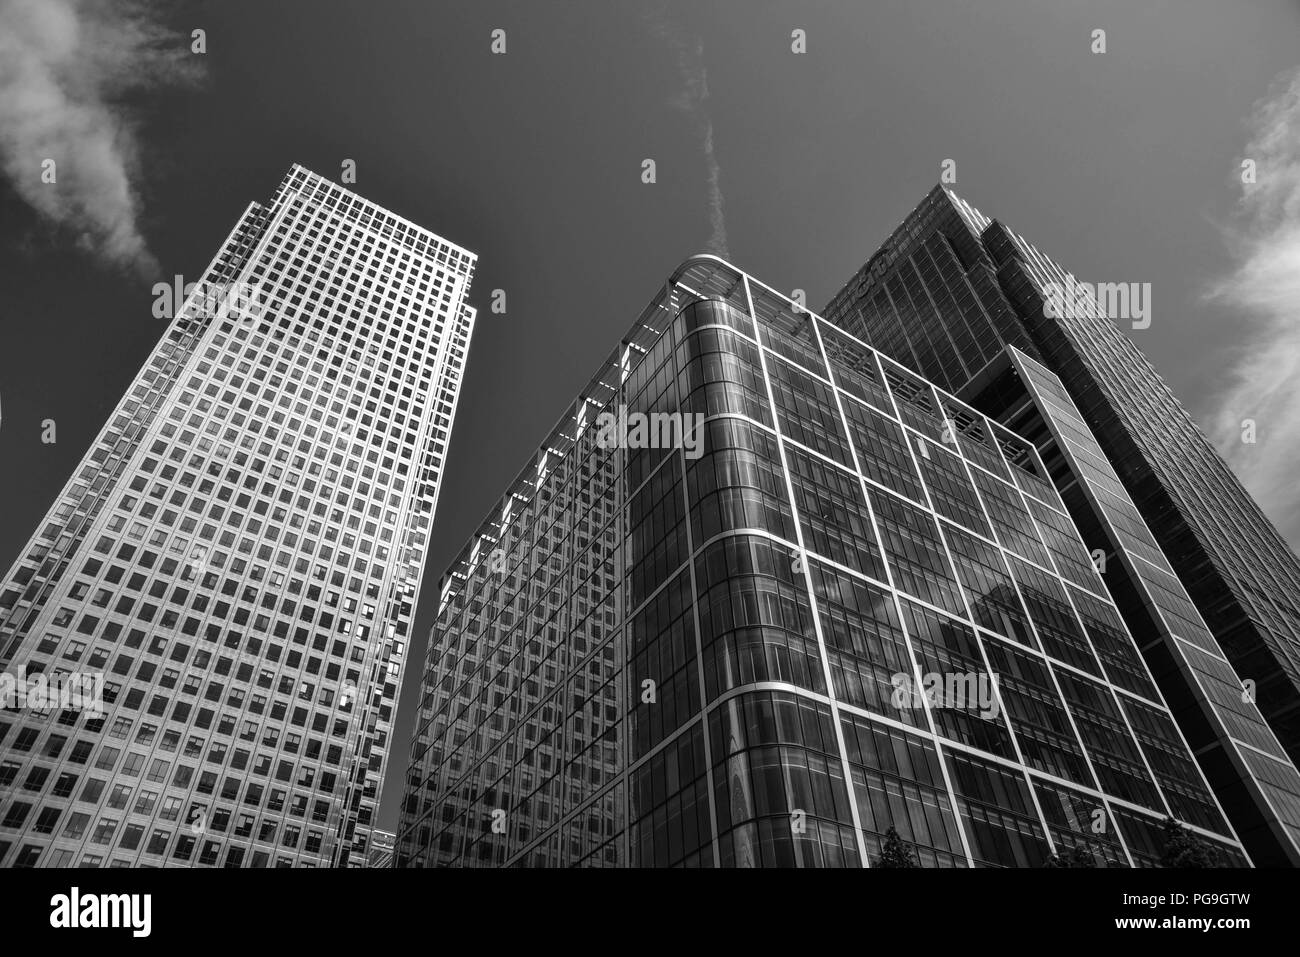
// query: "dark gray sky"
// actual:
[[1122, 165]]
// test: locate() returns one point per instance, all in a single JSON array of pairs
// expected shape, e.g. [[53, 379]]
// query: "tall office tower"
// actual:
[[1201, 577], [708, 649], [239, 555]]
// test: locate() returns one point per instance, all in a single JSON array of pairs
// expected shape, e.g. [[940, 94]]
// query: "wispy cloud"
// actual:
[[693, 101], [66, 67], [1263, 289]]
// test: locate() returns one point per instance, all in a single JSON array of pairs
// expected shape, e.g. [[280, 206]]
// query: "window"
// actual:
[[76, 826], [28, 856], [184, 847], [131, 766], [209, 853], [158, 842], [81, 752], [91, 793], [36, 778], [145, 802], [46, 820], [104, 831], [171, 809], [131, 836]]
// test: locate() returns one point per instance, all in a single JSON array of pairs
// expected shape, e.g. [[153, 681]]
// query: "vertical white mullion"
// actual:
[[714, 841]]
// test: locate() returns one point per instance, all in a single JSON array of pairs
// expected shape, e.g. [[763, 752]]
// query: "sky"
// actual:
[[1124, 165]]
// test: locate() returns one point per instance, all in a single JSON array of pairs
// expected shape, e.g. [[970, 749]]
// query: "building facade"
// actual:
[[1198, 572], [842, 602], [238, 556], [381, 848]]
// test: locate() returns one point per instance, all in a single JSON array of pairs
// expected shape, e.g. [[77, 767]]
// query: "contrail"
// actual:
[[693, 101], [1264, 288], [64, 66]]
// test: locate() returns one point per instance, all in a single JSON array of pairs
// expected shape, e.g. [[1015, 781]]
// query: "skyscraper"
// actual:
[[238, 555], [1199, 573], [835, 601]]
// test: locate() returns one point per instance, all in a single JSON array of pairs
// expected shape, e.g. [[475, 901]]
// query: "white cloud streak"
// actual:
[[66, 67], [693, 101], [1263, 289]]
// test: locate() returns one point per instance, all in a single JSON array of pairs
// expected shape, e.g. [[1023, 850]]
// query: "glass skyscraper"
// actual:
[[712, 652], [1201, 577], [238, 556]]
